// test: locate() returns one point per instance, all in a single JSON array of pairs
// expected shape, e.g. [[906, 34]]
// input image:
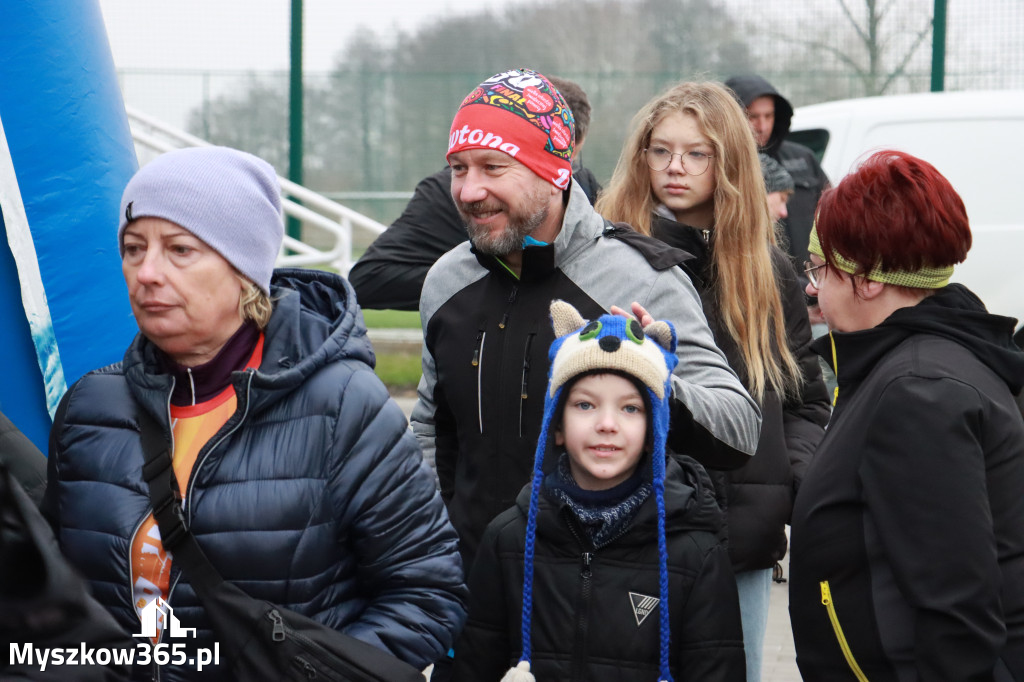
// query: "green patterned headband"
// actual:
[[925, 278]]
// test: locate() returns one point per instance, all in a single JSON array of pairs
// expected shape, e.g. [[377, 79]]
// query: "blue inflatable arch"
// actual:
[[66, 154]]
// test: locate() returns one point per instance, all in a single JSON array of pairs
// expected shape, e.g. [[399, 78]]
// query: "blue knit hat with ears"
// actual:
[[616, 344]]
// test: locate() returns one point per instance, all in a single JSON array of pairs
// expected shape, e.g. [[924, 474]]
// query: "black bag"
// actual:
[[263, 641], [43, 601]]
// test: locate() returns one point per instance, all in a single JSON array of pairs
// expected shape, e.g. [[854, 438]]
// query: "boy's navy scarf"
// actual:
[[603, 514]]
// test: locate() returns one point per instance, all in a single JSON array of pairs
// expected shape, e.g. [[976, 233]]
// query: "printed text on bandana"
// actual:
[[484, 139]]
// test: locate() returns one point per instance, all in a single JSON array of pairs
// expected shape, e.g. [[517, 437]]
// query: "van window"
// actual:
[[815, 138]]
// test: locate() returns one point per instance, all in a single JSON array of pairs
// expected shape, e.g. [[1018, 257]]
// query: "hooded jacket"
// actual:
[[312, 496], [759, 495], [808, 177], [907, 556], [486, 336], [589, 616]]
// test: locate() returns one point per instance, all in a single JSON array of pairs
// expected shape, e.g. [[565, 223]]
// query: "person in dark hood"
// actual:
[[297, 475], [907, 557], [615, 548], [770, 114], [390, 274]]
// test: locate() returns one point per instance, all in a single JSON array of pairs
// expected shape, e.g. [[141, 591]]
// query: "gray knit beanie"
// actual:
[[776, 178], [228, 198]]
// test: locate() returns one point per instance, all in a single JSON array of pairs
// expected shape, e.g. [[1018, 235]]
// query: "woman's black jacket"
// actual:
[[759, 495], [908, 532]]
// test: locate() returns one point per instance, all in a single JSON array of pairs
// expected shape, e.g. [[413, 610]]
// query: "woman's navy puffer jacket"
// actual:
[[313, 496]]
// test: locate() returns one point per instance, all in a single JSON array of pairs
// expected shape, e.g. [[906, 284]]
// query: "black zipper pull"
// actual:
[[306, 667], [476, 351], [586, 558], [511, 299], [278, 632], [526, 367]]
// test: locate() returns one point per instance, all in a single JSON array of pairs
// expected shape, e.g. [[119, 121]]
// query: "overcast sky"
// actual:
[[254, 34]]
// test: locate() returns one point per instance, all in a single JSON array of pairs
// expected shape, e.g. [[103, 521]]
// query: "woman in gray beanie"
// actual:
[[298, 477]]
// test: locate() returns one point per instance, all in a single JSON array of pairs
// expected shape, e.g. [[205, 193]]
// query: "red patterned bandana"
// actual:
[[522, 114]]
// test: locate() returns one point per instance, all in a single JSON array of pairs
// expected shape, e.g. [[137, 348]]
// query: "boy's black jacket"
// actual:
[[585, 625]]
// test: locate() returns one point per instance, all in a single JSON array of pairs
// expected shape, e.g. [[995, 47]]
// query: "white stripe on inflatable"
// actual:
[[33, 293]]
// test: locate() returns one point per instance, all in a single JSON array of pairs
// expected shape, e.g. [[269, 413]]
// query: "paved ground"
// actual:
[[779, 656]]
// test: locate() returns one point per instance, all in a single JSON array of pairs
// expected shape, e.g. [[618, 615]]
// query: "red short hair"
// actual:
[[895, 211]]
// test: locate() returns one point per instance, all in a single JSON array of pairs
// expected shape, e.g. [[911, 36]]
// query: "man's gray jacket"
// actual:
[[485, 358]]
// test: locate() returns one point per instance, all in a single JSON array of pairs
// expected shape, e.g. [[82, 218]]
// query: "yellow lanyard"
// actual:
[[835, 368]]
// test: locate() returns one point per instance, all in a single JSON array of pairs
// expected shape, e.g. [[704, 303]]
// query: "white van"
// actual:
[[975, 139]]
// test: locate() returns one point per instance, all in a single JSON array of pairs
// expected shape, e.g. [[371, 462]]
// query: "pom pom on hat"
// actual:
[[229, 199], [520, 673], [519, 112]]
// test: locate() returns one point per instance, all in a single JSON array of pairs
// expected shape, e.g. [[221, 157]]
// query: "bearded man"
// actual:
[[484, 307]]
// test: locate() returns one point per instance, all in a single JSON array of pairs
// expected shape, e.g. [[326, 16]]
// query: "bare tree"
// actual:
[[381, 119], [844, 48], [879, 73]]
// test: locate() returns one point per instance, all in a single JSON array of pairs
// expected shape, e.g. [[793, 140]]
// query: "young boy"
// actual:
[[611, 565]]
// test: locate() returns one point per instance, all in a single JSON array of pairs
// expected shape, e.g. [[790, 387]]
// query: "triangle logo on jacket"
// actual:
[[642, 606]]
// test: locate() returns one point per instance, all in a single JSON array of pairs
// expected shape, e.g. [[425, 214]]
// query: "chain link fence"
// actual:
[[380, 121]]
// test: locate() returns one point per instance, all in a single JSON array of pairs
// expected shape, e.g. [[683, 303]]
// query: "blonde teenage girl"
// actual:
[[689, 175]]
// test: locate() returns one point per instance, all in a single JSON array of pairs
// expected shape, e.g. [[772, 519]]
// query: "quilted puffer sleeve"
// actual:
[[392, 516]]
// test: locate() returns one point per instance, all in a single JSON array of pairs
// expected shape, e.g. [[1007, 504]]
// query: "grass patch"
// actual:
[[392, 319], [400, 372]]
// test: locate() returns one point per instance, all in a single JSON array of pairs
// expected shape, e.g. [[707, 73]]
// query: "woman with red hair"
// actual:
[[908, 531]]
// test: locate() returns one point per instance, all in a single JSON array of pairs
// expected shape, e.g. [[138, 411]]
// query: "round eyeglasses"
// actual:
[[811, 270], [694, 162]]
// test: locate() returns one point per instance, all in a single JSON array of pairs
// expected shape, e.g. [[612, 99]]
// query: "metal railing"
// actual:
[[315, 210]]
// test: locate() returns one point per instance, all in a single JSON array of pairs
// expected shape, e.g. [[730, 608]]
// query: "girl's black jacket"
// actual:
[[590, 615], [759, 495], [908, 531]]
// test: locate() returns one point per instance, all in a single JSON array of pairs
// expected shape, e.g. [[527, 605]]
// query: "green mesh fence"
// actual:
[[380, 121]]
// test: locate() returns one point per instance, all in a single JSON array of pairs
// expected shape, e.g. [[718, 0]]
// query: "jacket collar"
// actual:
[[689, 505], [197, 384], [687, 238], [315, 322], [953, 313]]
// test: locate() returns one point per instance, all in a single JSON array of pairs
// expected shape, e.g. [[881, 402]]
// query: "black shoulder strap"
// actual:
[[158, 472], [660, 255]]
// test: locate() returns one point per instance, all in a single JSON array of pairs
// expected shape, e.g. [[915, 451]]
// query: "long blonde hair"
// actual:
[[744, 285]]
